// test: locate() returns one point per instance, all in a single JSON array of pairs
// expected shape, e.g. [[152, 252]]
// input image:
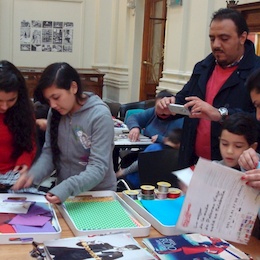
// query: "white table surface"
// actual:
[[122, 140]]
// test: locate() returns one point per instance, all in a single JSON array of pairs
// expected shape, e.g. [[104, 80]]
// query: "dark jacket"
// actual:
[[233, 95]]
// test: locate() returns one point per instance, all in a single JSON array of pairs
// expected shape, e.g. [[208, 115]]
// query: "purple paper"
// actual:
[[36, 209], [29, 220], [30, 229]]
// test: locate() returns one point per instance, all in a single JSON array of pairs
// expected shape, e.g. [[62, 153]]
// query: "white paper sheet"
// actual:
[[15, 207], [218, 203], [184, 175]]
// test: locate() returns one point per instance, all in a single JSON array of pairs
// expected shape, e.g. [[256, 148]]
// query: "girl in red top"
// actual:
[[17, 123]]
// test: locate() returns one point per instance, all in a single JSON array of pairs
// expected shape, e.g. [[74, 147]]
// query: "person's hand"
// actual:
[[52, 198], [202, 109], [42, 123], [25, 181], [248, 160], [21, 168], [134, 134], [164, 102], [252, 178], [154, 138]]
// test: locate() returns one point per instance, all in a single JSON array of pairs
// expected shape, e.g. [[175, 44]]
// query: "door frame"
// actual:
[[147, 45]]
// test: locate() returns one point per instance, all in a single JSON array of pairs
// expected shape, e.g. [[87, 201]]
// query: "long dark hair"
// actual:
[[60, 74], [20, 117]]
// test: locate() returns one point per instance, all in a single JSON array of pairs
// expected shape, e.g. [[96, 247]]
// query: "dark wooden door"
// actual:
[[153, 47]]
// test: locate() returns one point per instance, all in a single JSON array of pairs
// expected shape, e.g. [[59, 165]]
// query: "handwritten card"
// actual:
[[219, 204]]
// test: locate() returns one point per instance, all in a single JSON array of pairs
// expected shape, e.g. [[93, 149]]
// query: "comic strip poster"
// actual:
[[46, 36]]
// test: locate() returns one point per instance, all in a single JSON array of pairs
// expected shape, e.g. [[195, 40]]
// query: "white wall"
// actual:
[[108, 36]]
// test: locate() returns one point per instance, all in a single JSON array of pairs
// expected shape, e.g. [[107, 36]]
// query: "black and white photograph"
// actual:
[[36, 23], [46, 36], [47, 24]]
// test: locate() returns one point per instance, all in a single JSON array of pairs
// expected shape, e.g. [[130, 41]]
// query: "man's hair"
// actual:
[[242, 124], [164, 93], [253, 81], [235, 16]]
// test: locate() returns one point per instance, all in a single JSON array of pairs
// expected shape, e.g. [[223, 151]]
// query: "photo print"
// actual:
[[46, 36]]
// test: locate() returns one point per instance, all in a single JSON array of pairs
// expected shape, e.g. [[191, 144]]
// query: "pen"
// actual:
[[23, 239]]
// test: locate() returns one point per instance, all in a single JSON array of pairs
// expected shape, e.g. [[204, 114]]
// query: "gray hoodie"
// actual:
[[86, 143]]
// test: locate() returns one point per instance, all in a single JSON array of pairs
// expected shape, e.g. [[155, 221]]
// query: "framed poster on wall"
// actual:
[[46, 36], [42, 34]]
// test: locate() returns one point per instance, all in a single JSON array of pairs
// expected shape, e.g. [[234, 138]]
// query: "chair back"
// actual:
[[114, 108], [158, 166], [133, 105], [131, 112]]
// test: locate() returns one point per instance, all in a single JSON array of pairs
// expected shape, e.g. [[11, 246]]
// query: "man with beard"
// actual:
[[216, 88]]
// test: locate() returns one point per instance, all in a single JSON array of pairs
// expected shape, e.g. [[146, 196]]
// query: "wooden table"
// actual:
[[18, 252]]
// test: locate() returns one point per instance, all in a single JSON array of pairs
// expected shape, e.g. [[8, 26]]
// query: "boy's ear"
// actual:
[[254, 145]]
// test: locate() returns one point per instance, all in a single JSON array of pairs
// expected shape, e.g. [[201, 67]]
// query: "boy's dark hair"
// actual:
[[174, 135], [234, 15], [242, 124], [164, 93], [253, 81]]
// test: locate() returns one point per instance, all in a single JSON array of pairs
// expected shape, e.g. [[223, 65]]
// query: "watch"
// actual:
[[223, 112]]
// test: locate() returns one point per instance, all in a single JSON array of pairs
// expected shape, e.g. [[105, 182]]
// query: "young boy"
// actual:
[[171, 141], [239, 133]]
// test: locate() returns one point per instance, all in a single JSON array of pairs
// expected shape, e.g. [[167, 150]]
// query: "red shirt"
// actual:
[[6, 149], [214, 84]]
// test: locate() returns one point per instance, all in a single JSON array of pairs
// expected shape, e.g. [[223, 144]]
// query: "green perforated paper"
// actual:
[[98, 215]]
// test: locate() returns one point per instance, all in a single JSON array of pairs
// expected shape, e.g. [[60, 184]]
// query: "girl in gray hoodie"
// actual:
[[79, 138]]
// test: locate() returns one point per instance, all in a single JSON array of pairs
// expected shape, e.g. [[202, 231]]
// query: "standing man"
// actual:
[[216, 87]]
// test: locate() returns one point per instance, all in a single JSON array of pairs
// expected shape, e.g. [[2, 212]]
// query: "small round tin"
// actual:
[[174, 193], [163, 186], [147, 196], [147, 189], [132, 194]]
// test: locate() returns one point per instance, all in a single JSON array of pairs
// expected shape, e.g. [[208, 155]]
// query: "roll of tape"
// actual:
[[147, 189], [161, 195], [163, 186], [147, 196], [174, 193], [132, 193]]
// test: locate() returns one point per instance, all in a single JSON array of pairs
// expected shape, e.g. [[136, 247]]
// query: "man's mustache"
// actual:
[[217, 49]]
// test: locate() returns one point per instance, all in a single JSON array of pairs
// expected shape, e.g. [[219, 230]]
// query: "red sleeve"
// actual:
[[27, 157]]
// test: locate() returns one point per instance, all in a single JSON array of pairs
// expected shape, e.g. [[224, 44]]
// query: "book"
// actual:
[[120, 245], [193, 246], [219, 204]]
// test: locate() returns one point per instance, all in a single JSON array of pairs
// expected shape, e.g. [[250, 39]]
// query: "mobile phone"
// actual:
[[179, 109]]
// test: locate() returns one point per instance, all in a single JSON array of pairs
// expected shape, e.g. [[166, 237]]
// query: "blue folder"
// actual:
[[166, 211]]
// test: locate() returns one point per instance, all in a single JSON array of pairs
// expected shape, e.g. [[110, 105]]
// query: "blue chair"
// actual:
[[131, 112], [133, 105]]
